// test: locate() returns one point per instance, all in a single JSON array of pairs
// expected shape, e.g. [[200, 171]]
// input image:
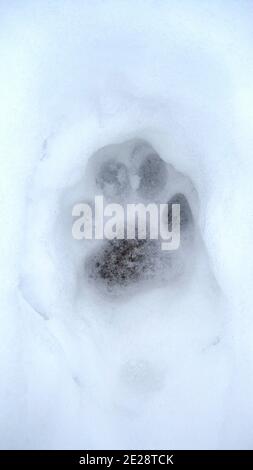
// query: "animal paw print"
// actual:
[[133, 172]]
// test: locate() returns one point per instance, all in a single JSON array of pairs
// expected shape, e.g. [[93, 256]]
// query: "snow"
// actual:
[[168, 366]]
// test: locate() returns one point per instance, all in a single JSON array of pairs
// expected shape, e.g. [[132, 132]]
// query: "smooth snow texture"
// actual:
[[168, 367]]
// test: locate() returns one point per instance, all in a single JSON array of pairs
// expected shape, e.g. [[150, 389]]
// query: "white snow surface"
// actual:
[[168, 367]]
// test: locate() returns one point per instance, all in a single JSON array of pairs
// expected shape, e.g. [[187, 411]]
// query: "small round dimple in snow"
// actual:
[[140, 376]]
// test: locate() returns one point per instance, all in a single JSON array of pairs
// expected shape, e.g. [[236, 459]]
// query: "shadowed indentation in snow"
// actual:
[[153, 176], [112, 179]]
